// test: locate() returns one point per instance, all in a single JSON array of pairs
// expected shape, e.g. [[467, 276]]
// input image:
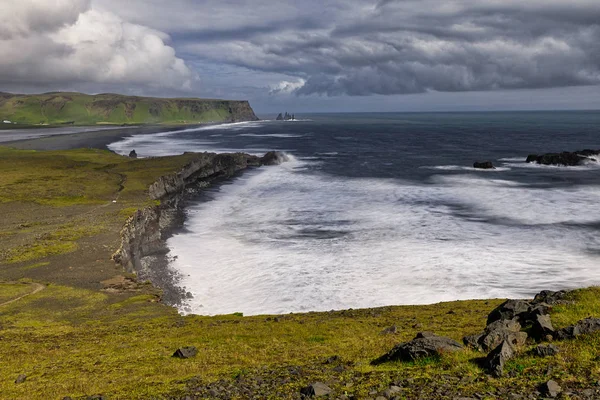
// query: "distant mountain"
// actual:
[[82, 109]]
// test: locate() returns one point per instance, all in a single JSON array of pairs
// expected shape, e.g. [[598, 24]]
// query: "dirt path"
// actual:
[[37, 288]]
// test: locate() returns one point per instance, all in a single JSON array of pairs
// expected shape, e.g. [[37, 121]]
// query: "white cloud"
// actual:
[[76, 43], [286, 87]]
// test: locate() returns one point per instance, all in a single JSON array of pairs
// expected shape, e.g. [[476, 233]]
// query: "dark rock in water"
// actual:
[[317, 389], [585, 326], [549, 297], [510, 309], [274, 158], [546, 350], [483, 165], [425, 344], [495, 333], [494, 362], [21, 378], [531, 158], [550, 388], [185, 352], [280, 117], [132, 154], [565, 158], [542, 327]]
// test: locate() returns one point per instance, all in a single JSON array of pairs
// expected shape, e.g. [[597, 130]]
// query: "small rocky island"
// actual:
[[286, 117], [565, 158]]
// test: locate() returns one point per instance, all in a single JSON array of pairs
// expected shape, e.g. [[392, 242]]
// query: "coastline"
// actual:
[[96, 139], [125, 339], [143, 248], [145, 233]]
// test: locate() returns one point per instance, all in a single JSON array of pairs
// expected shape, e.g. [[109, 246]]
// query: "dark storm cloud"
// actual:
[[406, 46], [323, 47]]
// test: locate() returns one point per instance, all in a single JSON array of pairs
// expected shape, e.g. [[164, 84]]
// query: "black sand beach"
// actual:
[[74, 138]]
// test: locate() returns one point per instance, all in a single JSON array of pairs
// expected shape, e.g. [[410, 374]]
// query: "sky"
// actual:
[[311, 55]]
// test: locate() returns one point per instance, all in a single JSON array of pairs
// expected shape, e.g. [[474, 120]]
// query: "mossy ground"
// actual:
[[74, 339]]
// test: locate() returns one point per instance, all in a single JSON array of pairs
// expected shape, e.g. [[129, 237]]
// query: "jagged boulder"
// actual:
[[585, 326], [425, 344], [280, 117], [316, 389], [185, 352], [546, 350], [542, 327], [495, 333], [495, 360], [133, 154], [483, 165], [510, 309], [550, 389], [549, 297]]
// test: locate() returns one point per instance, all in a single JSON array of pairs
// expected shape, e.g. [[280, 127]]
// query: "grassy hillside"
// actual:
[[79, 326], [82, 109]]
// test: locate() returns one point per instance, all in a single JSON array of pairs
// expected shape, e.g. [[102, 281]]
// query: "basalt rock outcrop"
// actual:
[[143, 247], [565, 158], [426, 344]]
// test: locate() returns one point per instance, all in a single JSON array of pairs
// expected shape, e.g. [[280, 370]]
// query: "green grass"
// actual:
[[9, 291], [113, 109], [81, 182], [78, 342]]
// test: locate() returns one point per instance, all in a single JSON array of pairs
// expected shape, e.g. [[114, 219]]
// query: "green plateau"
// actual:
[[63, 108]]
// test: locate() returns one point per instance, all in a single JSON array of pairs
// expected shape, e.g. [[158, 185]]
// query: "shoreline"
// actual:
[[96, 139]]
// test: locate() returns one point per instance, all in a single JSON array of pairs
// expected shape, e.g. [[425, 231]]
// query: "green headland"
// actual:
[[63, 108]]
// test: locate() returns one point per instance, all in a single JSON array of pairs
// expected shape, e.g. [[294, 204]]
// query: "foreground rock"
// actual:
[[585, 326], [185, 352], [550, 389], [317, 389], [425, 344], [483, 165], [495, 333], [497, 358], [550, 297], [542, 327], [509, 310], [565, 158], [547, 350]]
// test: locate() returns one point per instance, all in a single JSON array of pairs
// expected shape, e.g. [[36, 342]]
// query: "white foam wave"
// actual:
[[587, 165], [279, 240], [273, 135], [513, 159], [464, 168]]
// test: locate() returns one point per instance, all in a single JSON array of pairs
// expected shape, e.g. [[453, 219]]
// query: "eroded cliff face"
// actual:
[[143, 248], [241, 111]]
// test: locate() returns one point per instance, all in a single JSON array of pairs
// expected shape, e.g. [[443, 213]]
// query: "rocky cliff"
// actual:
[[143, 247]]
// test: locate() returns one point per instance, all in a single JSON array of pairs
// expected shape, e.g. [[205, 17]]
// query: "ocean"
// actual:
[[383, 209]]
